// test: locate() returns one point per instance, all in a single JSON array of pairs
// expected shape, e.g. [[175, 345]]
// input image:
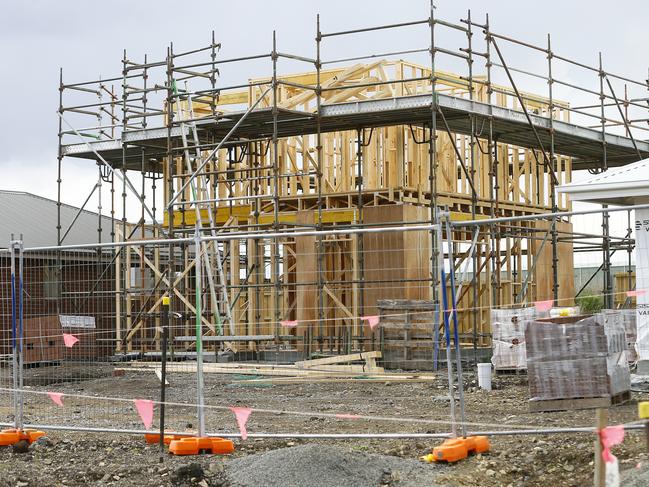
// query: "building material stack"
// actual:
[[627, 319], [508, 334], [576, 363], [407, 328]]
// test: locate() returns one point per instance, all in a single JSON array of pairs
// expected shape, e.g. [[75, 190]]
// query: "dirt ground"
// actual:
[[73, 458]]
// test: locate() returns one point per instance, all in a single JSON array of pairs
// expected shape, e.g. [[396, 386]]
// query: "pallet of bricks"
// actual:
[[576, 363], [508, 338]]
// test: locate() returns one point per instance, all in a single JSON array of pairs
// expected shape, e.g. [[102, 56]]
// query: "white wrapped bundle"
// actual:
[[508, 337]]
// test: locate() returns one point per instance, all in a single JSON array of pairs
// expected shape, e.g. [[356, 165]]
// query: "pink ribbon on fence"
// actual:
[[69, 340], [56, 397], [145, 410], [288, 323], [372, 321], [610, 436], [543, 305], [242, 415], [348, 416]]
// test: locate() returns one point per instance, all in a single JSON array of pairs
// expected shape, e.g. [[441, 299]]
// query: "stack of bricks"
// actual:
[[576, 358]]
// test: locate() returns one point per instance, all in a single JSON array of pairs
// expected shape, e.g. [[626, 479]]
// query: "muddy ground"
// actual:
[[73, 458]]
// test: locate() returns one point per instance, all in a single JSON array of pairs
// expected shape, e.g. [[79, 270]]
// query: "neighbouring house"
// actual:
[[63, 289]]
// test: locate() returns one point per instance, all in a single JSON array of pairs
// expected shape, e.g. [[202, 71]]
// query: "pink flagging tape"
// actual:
[[348, 416], [145, 410], [373, 321], [610, 436], [635, 293], [56, 397], [288, 323], [543, 305], [242, 415], [69, 340]]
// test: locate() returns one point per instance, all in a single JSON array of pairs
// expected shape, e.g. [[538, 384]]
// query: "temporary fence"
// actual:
[[91, 334]]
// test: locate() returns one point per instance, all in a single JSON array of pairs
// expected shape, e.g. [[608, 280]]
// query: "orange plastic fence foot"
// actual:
[[154, 438], [12, 436], [456, 449], [451, 451], [195, 446], [477, 444]]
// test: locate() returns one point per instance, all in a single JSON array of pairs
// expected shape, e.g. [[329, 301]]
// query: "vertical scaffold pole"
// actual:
[[275, 259], [475, 282], [320, 249], [436, 253], [553, 181]]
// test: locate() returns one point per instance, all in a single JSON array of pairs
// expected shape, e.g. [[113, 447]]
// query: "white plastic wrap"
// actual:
[[508, 337], [627, 319]]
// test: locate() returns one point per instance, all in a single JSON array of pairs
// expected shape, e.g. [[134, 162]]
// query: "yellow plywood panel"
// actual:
[[243, 212], [328, 216], [222, 215], [457, 216]]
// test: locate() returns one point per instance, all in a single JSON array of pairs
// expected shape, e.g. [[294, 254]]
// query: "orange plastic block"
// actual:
[[195, 446], [12, 436], [154, 438], [451, 451], [477, 444], [457, 449]]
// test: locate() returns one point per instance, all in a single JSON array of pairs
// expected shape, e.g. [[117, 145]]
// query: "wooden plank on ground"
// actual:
[[286, 375], [338, 359]]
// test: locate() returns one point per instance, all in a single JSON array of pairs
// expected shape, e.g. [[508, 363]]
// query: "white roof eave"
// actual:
[[629, 188]]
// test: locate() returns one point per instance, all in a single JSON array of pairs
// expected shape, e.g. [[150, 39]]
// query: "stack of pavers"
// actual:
[[508, 338], [576, 363]]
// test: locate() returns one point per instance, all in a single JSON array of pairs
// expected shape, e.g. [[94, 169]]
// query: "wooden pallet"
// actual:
[[510, 371], [621, 398], [578, 403]]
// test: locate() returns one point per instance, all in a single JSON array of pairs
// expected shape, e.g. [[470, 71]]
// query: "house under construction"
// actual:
[[343, 144]]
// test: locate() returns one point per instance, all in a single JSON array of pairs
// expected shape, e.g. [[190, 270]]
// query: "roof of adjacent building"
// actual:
[[35, 217], [627, 185]]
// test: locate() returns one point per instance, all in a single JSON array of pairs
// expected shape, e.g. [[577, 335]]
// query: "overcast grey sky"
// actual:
[[87, 38]]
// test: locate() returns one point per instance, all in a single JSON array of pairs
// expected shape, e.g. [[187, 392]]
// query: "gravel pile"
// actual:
[[327, 466]]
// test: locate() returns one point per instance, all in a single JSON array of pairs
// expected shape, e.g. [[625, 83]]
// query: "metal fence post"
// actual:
[[166, 301], [199, 332], [16, 247]]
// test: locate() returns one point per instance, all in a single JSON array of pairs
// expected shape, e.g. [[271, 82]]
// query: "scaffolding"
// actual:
[[350, 143]]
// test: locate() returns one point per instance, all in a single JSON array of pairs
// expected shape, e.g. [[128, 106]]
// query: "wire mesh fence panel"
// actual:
[[345, 331], [83, 322]]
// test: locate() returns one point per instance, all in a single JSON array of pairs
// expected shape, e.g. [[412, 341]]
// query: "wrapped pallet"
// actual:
[[508, 337], [627, 319], [576, 363]]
